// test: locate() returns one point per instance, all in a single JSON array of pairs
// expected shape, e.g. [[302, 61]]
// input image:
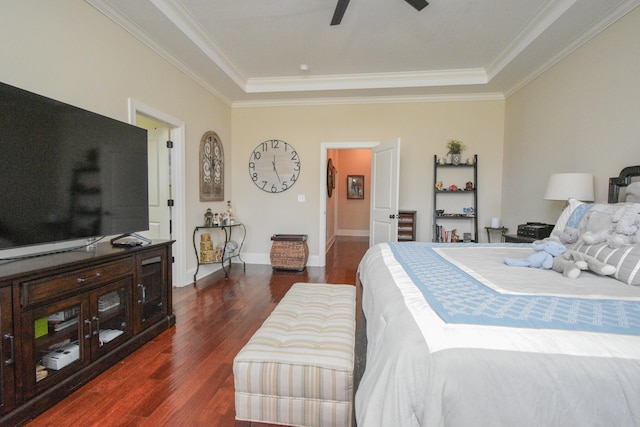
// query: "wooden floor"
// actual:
[[184, 376]]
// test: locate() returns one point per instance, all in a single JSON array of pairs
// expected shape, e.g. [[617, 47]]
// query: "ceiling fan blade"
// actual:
[[341, 7], [418, 4]]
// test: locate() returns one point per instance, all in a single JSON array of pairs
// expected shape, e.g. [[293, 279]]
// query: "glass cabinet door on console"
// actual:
[[150, 296], [65, 336], [7, 353], [111, 317], [55, 342]]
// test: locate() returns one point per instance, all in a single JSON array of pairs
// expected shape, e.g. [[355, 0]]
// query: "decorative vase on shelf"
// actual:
[[230, 217], [455, 148]]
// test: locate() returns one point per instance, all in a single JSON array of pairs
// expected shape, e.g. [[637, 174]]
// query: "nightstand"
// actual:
[[407, 226], [513, 238]]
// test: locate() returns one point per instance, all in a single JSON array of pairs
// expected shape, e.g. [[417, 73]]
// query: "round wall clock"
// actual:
[[274, 166]]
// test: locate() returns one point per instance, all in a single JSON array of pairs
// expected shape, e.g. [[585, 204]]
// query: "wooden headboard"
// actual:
[[625, 178]]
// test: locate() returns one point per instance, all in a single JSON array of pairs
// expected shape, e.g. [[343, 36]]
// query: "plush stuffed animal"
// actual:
[[568, 236], [632, 193], [626, 226], [541, 258], [572, 263], [596, 226]]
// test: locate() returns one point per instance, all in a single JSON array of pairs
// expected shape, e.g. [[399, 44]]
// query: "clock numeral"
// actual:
[[274, 189], [254, 176], [284, 185], [257, 155], [264, 184], [252, 166], [264, 146], [297, 167], [293, 178], [275, 143], [294, 156]]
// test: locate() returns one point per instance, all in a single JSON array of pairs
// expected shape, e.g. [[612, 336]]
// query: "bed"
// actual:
[[457, 338]]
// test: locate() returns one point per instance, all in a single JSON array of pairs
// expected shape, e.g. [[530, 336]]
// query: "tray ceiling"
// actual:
[[251, 51]]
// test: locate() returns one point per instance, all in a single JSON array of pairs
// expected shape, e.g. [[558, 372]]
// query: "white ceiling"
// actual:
[[250, 51]]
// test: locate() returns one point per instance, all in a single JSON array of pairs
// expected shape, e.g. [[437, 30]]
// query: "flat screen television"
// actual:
[[67, 173]]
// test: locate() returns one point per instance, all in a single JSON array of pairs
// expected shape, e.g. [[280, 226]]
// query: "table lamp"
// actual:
[[562, 186]]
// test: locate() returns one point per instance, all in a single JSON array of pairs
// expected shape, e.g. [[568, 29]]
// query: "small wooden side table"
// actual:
[[502, 231]]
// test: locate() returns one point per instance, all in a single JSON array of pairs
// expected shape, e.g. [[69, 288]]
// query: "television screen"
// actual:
[[67, 173]]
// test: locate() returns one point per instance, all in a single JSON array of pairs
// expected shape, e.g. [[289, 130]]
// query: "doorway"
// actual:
[[324, 148], [174, 224], [159, 171]]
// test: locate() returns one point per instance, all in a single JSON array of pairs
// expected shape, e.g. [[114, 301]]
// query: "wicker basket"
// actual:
[[205, 242], [206, 249], [206, 257], [289, 252]]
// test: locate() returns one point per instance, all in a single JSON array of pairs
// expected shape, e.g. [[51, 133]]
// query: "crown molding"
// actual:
[[545, 17], [133, 29], [600, 26], [464, 97], [470, 76], [180, 17]]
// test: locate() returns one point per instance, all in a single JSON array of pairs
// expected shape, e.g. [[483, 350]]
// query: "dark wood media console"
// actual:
[[67, 317]]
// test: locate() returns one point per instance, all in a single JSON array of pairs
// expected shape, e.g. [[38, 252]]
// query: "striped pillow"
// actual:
[[626, 259]]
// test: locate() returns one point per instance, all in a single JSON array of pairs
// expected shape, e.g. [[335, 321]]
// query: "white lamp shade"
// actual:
[[562, 186]]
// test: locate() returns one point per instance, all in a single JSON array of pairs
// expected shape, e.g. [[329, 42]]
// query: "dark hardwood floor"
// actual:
[[184, 376]]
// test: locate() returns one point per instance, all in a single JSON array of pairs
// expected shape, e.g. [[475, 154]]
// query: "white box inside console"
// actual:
[[61, 357]]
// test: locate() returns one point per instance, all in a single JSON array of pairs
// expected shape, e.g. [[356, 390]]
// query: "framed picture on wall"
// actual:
[[355, 187]]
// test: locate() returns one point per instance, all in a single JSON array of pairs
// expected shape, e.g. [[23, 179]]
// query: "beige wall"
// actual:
[[69, 51], [424, 129], [582, 115]]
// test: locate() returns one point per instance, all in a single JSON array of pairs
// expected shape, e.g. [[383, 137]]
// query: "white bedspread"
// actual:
[[423, 371]]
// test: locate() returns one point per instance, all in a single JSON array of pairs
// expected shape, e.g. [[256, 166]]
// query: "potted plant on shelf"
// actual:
[[455, 148]]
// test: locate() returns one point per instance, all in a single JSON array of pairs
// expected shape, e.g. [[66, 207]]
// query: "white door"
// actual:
[[385, 179], [159, 183]]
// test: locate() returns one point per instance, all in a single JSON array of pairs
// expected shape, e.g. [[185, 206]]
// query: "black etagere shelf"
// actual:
[[439, 234]]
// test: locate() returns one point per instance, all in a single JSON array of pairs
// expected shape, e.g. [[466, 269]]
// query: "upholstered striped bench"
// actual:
[[297, 369]]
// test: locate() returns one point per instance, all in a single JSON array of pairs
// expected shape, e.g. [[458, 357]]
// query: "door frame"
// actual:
[[324, 147], [178, 187]]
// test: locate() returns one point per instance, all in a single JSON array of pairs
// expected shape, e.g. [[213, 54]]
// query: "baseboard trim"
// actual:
[[353, 233]]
